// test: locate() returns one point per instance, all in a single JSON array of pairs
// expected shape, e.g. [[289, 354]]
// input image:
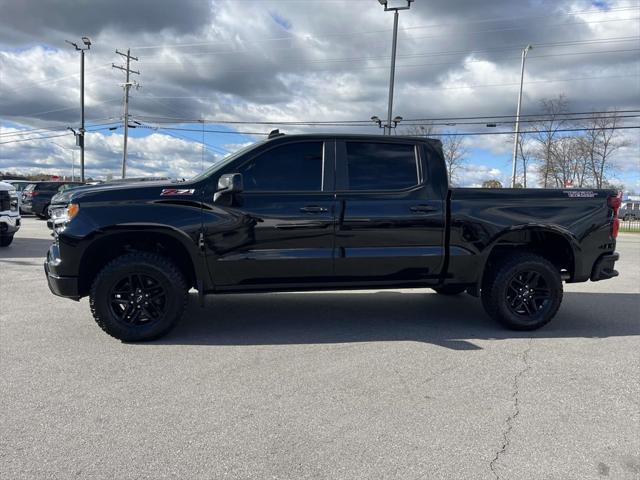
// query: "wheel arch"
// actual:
[[165, 242], [556, 245]]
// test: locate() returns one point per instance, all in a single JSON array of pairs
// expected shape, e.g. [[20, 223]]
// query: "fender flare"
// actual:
[[566, 235]]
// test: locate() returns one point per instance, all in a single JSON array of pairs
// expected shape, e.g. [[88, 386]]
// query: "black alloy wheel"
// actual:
[[138, 296], [527, 293], [523, 291], [138, 299]]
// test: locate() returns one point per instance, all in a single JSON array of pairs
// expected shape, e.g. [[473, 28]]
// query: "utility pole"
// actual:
[[394, 44], [80, 135], [517, 130], [127, 85]]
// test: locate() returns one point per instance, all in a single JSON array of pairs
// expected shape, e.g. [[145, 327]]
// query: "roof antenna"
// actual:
[[275, 133]]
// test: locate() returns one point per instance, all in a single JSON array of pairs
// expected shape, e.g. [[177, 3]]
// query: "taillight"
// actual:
[[614, 203]]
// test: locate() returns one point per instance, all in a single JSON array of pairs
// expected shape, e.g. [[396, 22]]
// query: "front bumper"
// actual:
[[9, 224], [603, 268], [62, 286]]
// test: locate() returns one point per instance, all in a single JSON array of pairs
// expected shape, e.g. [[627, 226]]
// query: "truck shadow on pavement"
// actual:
[[23, 247], [419, 316]]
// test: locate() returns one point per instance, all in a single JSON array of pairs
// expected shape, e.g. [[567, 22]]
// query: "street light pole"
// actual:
[[387, 127], [80, 135], [517, 129], [393, 69], [82, 115]]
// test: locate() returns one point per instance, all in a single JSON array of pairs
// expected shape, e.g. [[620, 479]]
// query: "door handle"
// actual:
[[313, 209], [422, 209]]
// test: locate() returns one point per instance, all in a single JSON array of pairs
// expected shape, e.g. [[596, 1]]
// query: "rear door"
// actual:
[[280, 230], [390, 225]]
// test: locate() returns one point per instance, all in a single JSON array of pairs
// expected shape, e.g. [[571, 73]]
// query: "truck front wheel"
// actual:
[[523, 292], [138, 297]]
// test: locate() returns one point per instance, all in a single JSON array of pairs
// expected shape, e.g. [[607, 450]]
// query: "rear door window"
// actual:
[[381, 166]]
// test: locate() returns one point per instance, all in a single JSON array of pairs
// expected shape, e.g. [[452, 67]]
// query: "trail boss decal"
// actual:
[[177, 191], [579, 194]]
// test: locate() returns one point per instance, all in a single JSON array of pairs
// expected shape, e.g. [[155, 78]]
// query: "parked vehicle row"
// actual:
[[9, 213], [37, 196], [630, 211], [312, 212]]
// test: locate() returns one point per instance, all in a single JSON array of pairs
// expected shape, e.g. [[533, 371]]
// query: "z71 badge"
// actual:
[[177, 191]]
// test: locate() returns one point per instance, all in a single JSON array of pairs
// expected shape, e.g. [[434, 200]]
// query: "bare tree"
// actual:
[[526, 152], [455, 155], [567, 161], [453, 148], [546, 132], [600, 142]]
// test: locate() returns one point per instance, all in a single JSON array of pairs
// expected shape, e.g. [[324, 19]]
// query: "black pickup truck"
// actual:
[[311, 212]]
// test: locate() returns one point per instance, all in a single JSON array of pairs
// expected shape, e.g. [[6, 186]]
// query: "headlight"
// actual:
[[13, 201], [62, 216]]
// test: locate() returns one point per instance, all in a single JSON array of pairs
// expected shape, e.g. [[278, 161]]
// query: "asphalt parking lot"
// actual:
[[340, 385]]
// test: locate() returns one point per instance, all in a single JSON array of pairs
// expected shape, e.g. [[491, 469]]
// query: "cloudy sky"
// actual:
[[300, 60]]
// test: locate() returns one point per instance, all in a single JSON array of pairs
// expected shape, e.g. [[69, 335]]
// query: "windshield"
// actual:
[[224, 161]]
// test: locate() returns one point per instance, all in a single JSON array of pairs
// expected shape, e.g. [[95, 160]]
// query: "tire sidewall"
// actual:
[[105, 282], [500, 286]]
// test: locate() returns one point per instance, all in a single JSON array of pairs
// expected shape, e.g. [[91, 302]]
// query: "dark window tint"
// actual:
[[294, 167], [381, 166], [47, 186]]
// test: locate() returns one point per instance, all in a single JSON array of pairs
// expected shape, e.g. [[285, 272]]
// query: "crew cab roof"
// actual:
[[351, 136]]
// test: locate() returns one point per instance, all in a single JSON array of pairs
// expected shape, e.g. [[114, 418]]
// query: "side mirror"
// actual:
[[228, 184]]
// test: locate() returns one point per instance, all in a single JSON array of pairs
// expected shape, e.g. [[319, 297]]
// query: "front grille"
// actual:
[[5, 201]]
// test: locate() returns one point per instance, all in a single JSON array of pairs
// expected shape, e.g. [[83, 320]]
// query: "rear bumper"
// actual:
[[66, 287], [603, 269]]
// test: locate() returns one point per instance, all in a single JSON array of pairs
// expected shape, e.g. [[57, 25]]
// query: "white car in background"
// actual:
[[9, 213]]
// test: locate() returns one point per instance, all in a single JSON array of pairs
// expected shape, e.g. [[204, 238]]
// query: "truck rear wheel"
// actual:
[[523, 292], [138, 297]]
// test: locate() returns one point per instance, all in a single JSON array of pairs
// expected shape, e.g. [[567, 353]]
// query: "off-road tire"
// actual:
[[6, 240], [449, 290], [498, 283], [146, 265]]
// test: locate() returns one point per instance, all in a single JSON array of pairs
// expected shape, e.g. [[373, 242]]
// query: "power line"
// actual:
[[633, 127], [48, 129], [48, 136], [533, 131], [434, 134], [30, 85], [174, 120], [342, 34], [489, 85], [565, 43], [295, 47]]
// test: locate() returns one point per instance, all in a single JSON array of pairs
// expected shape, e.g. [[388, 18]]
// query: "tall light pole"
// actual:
[[517, 129], [80, 135], [393, 56]]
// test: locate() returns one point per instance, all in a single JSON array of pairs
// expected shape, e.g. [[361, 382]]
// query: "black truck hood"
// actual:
[[125, 191]]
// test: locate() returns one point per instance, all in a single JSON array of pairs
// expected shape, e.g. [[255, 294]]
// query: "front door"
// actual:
[[279, 231], [390, 225]]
